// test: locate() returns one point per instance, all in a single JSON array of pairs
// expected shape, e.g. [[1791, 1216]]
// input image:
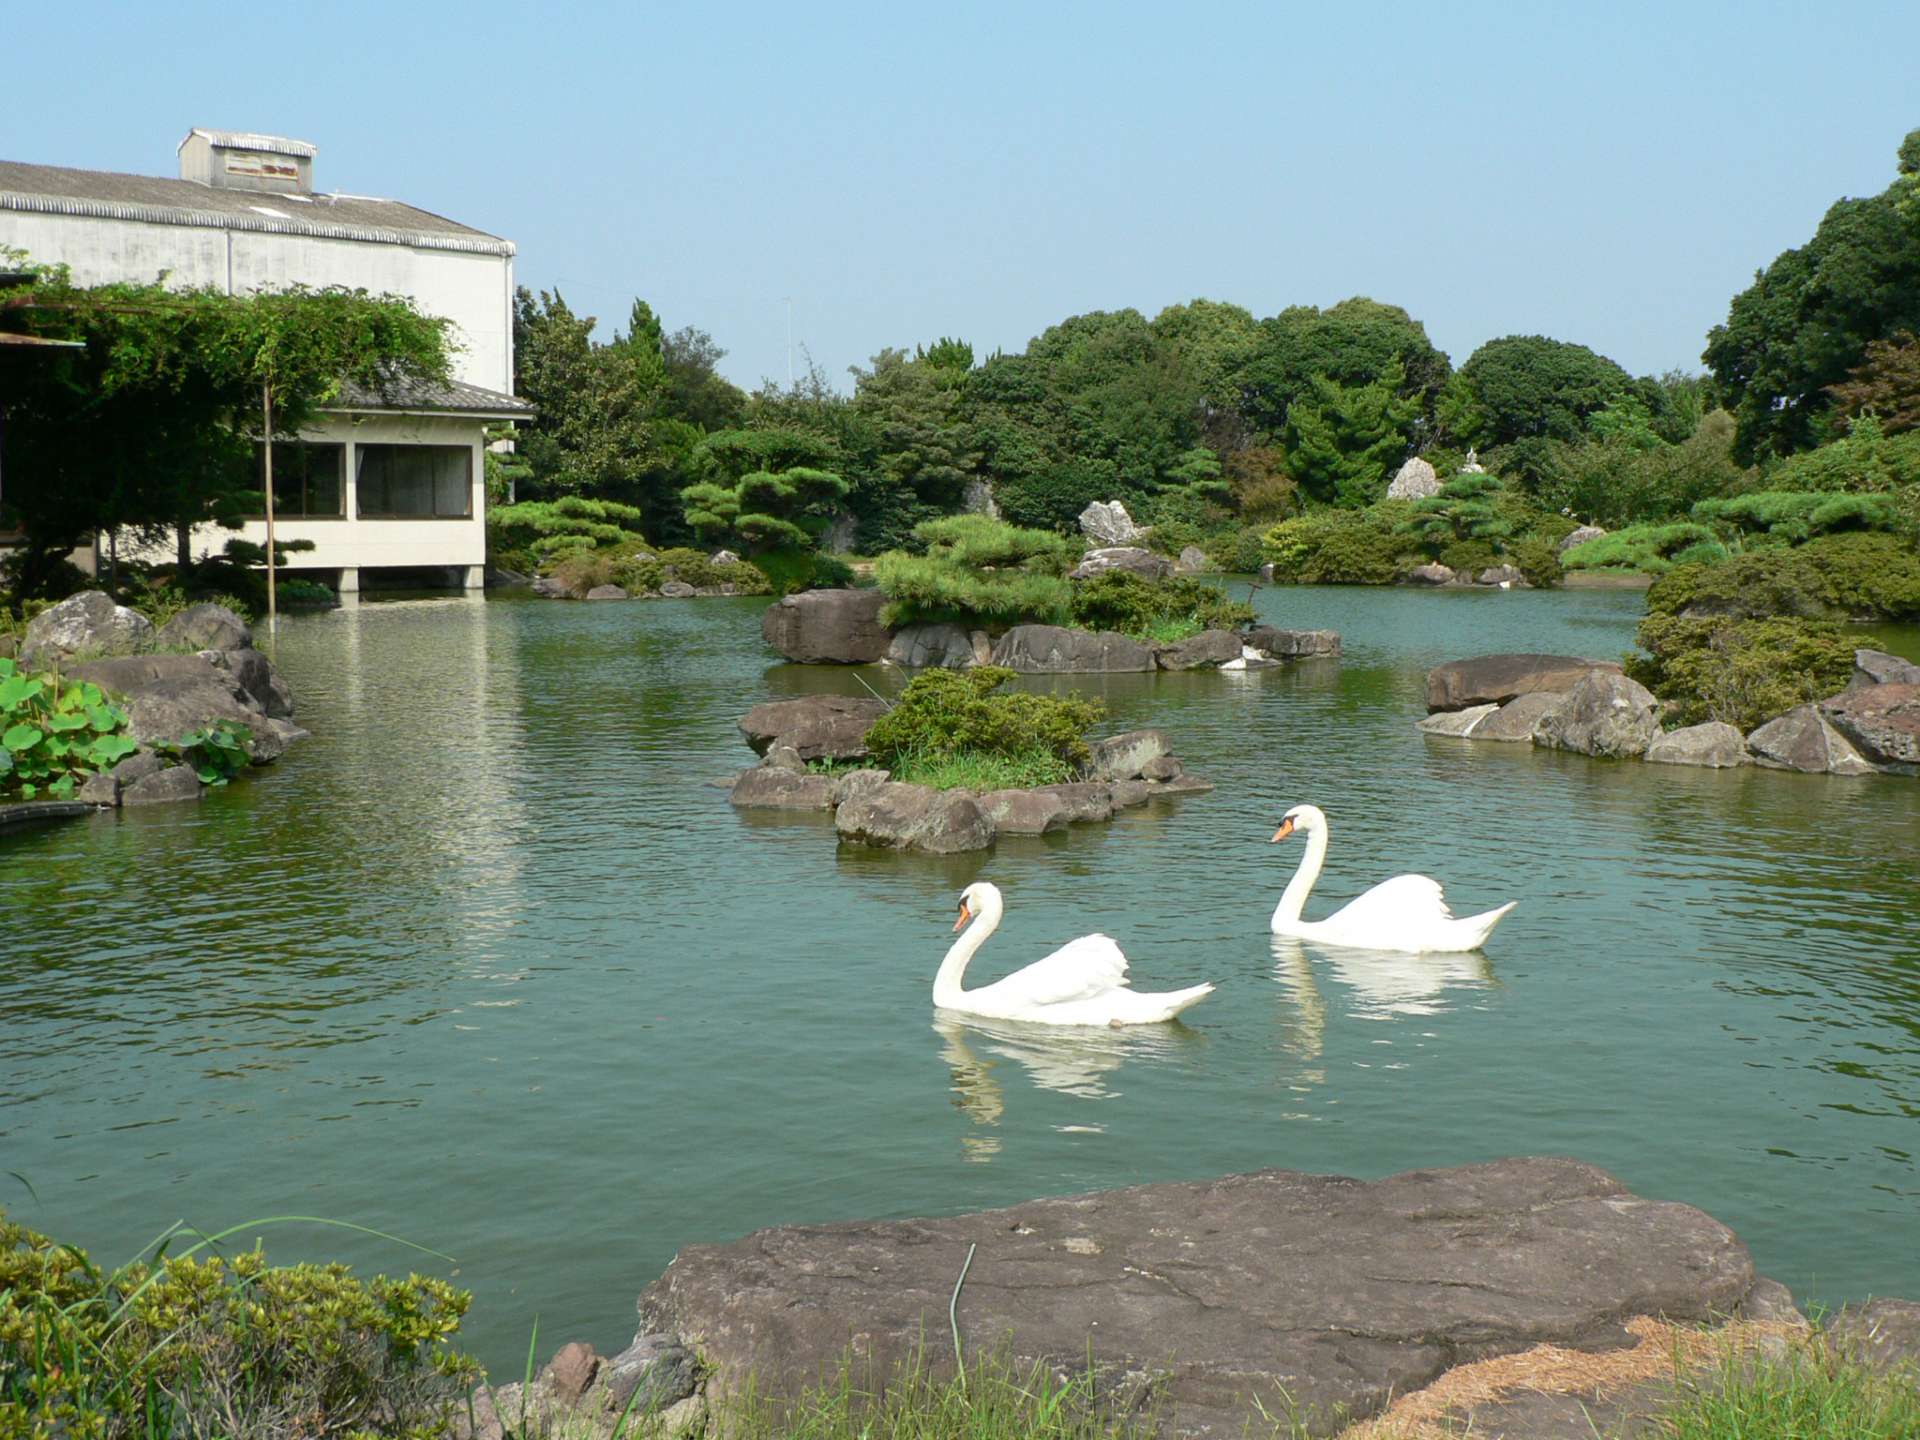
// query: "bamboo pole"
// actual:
[[266, 430]]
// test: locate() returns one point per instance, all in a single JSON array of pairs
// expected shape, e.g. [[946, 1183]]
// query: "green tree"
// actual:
[[1885, 384], [1343, 440], [926, 452], [1807, 319], [765, 489], [1526, 387], [1352, 343]]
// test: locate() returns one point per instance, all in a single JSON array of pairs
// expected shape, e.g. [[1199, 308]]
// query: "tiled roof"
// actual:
[[453, 395], [55, 190]]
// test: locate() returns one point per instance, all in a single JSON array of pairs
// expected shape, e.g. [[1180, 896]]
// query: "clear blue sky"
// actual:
[[1609, 174]]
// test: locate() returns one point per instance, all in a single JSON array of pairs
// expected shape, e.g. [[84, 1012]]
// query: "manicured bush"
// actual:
[[648, 571], [1538, 560], [568, 523], [1331, 547], [192, 1346], [1793, 517], [978, 571], [1865, 459], [1867, 576], [948, 713], [1648, 549], [1468, 557], [791, 571], [1741, 671], [1154, 610]]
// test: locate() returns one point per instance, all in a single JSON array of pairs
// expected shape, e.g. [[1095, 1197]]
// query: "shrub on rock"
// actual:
[[947, 713], [977, 571], [1149, 610], [1740, 671]]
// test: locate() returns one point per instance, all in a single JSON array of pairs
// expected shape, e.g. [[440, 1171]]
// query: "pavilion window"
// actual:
[[414, 482]]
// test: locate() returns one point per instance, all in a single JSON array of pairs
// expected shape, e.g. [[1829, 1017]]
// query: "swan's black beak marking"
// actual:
[[1286, 829], [965, 915]]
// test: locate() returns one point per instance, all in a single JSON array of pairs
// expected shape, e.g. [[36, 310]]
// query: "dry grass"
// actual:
[[1662, 1350]]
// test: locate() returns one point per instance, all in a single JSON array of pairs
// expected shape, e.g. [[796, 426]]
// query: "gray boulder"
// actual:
[[1716, 744], [1165, 768], [669, 590], [1882, 721], [1083, 800], [1128, 793], [1515, 719], [1023, 812], [976, 498], [1054, 650], [1341, 1293], [1415, 480], [923, 647], [1193, 561], [1501, 575], [723, 557], [820, 727], [85, 624], [850, 783], [1293, 644], [1130, 558], [914, 817], [102, 790], [1498, 678], [1109, 524], [1208, 648], [1124, 756], [777, 788], [828, 627], [254, 674], [168, 696], [1883, 1333], [1877, 667], [1803, 739], [1457, 723], [1579, 537], [1605, 714], [551, 588], [204, 627], [615, 592], [1431, 574], [783, 757], [1181, 784], [137, 767], [163, 787]]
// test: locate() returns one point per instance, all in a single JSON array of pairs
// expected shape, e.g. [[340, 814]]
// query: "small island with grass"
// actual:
[[952, 764]]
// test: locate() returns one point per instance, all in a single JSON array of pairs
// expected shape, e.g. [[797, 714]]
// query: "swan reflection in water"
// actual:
[[1384, 984], [1072, 1060]]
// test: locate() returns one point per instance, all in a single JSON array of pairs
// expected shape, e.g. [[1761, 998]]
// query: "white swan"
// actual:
[[1407, 913], [1084, 982]]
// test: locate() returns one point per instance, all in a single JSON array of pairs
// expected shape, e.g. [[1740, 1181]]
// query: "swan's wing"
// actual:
[[1403, 898], [1078, 970]]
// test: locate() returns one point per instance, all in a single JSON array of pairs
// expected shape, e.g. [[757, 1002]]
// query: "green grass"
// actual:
[[1815, 1392], [996, 1400], [1167, 629], [977, 770]]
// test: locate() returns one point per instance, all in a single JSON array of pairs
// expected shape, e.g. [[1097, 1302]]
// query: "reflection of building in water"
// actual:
[[1386, 983], [1070, 1059]]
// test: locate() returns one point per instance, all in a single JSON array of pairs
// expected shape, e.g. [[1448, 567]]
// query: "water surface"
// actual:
[[488, 964]]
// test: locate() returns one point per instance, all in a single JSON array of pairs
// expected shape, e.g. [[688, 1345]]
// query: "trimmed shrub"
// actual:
[[692, 567], [1865, 575], [1649, 549], [1334, 548], [791, 571], [1741, 671], [1538, 560], [1154, 610], [978, 571], [1865, 459], [212, 1346], [572, 523], [947, 713], [1795, 516]]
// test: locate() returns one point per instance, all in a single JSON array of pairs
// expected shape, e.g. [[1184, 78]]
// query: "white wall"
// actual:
[[475, 291]]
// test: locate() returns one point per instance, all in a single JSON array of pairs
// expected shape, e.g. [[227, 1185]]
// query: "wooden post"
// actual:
[[266, 431]]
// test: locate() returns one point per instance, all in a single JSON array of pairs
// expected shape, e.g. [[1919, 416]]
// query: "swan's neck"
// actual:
[[946, 984], [1294, 899]]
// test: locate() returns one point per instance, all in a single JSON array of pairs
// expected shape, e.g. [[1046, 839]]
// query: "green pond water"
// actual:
[[488, 964]]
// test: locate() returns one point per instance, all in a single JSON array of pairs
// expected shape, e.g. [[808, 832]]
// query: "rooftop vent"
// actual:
[[241, 160]]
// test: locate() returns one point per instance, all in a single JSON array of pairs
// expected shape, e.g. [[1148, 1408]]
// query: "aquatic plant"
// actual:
[[53, 736]]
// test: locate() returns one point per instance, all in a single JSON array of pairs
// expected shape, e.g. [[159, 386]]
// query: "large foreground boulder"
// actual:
[[1218, 1297], [168, 696], [1804, 739], [924, 647], [1199, 652], [86, 624], [819, 727], [1054, 649], [777, 788], [1516, 719], [914, 817], [205, 626], [1606, 714], [1292, 644], [1877, 667], [828, 627], [1496, 679], [1882, 721], [1124, 756]]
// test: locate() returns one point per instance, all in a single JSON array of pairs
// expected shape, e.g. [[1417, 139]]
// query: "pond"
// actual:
[[488, 964]]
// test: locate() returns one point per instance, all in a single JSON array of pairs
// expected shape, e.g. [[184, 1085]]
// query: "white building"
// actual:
[[382, 482]]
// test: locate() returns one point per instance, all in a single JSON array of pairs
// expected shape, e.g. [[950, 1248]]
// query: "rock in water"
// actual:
[[923, 647], [820, 727], [1431, 574], [1415, 481], [1877, 667], [1716, 744], [1882, 721], [1606, 714], [205, 627], [1498, 678], [1803, 739], [828, 627], [1196, 652], [1109, 524], [1515, 719], [1054, 650], [1344, 1293], [914, 817]]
